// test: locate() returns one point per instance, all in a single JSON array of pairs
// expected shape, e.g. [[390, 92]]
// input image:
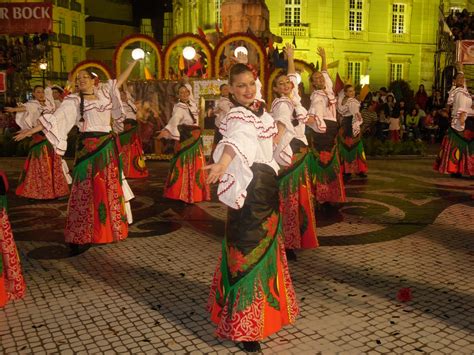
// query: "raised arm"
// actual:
[[125, 74], [322, 54], [290, 55]]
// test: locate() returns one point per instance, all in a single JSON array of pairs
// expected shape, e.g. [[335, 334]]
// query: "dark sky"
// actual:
[[150, 8]]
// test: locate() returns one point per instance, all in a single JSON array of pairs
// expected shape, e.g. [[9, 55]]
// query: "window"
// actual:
[[145, 27], [292, 12], [396, 71], [353, 72], [355, 15], [75, 28], [62, 25], [218, 12], [398, 18]]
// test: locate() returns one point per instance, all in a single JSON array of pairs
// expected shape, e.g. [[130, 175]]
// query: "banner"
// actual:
[[3, 81], [465, 52], [17, 18]]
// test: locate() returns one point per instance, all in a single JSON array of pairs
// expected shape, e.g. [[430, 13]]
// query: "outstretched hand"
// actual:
[[215, 172], [242, 58], [321, 52], [24, 133], [289, 50]]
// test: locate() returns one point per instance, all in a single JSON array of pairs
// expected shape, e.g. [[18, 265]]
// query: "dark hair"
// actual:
[[347, 87], [222, 86], [81, 106], [238, 69], [38, 86], [279, 75]]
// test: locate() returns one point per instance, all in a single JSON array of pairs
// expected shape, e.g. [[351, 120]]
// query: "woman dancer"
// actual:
[[45, 175], [296, 195], [351, 149], [251, 294], [12, 284], [328, 175], [456, 156], [223, 105], [132, 151], [186, 180], [98, 209]]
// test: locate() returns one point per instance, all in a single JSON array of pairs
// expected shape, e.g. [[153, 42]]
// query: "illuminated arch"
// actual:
[[251, 40], [104, 68], [138, 38], [182, 39]]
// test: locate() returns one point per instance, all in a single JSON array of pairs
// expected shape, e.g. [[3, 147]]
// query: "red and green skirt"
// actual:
[[12, 283], [351, 149], [457, 153], [252, 294], [96, 210], [327, 174], [297, 202], [42, 177], [186, 180], [132, 151]]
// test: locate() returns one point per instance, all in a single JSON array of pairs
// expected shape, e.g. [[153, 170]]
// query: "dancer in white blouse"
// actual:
[[45, 174], [99, 209]]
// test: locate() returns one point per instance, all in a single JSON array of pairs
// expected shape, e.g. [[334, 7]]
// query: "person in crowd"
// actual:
[[223, 105], [98, 209], [133, 159], [292, 153], [388, 109], [369, 119], [186, 181], [351, 148], [252, 280], [12, 282], [435, 101], [45, 174], [456, 156], [412, 124], [421, 97], [329, 184]]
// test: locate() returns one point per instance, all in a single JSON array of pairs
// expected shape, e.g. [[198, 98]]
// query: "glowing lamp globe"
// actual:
[[298, 78], [241, 49], [138, 53], [189, 53]]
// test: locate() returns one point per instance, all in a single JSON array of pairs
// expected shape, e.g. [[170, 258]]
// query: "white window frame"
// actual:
[[399, 17], [61, 25], [292, 12], [218, 4], [75, 28], [354, 71], [396, 71], [356, 15]]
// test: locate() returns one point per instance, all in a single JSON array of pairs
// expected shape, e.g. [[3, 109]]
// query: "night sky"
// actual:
[[153, 9]]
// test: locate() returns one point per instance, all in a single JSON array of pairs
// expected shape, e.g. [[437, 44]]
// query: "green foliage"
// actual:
[[373, 146], [402, 90]]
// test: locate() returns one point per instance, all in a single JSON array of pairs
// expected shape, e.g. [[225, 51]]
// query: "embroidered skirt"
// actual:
[[132, 151]]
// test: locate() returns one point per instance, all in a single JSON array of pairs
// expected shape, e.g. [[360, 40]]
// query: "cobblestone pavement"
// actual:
[[403, 227]]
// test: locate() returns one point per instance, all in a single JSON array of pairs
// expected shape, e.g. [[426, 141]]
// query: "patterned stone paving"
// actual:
[[404, 227]]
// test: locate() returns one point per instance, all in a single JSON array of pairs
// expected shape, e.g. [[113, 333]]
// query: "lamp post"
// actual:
[[43, 65]]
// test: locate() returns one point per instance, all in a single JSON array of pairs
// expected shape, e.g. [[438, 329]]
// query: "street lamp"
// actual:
[[43, 65]]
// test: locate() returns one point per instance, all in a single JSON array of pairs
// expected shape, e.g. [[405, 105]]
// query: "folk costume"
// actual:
[[456, 155], [98, 209], [251, 294], [186, 181], [45, 174], [295, 184], [351, 148], [12, 283], [223, 105], [327, 175], [132, 151]]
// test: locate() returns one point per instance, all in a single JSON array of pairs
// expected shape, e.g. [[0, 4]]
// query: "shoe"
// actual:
[[290, 254], [76, 249], [252, 347], [362, 175], [456, 175]]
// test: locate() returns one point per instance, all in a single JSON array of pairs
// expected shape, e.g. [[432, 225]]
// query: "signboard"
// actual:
[[465, 52], [3, 81], [19, 17]]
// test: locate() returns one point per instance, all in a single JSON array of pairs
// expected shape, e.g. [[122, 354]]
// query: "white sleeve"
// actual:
[[27, 119], [242, 137], [58, 125], [317, 110], [327, 81], [172, 126]]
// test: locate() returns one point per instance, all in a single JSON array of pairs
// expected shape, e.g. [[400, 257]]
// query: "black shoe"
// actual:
[[362, 175], [457, 175], [252, 346], [290, 254], [76, 249]]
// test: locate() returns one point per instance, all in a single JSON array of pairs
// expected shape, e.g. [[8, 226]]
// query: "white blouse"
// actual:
[[323, 104], [29, 118], [183, 113], [251, 137], [350, 108], [223, 105], [282, 111], [461, 101], [129, 112], [97, 115]]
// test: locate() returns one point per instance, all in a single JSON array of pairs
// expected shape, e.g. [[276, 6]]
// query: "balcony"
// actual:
[[63, 3], [64, 38], [75, 6], [294, 29], [400, 37], [77, 41], [358, 35]]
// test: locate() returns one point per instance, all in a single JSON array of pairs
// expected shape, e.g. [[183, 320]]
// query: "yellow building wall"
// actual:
[[375, 46]]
